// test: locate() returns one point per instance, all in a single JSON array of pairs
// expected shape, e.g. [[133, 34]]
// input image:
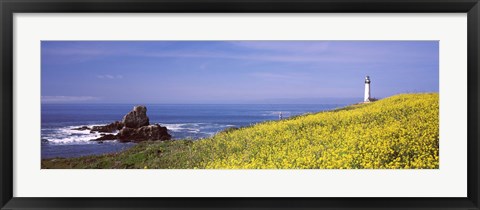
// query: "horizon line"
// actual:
[[190, 103]]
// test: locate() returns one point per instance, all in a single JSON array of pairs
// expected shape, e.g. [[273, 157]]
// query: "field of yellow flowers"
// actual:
[[399, 132]]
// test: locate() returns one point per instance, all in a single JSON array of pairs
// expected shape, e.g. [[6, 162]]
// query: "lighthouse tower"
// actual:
[[367, 90]]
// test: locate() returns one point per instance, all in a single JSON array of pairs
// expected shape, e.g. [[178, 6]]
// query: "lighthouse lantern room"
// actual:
[[367, 97]]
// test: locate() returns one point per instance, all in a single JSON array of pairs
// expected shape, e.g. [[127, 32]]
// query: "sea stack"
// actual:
[[134, 127], [367, 96], [136, 118]]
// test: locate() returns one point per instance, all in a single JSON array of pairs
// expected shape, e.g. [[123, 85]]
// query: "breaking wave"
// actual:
[[194, 130], [67, 134]]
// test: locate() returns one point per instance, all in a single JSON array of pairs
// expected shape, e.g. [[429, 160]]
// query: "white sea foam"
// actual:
[[276, 113], [198, 130], [175, 127], [185, 127], [67, 135]]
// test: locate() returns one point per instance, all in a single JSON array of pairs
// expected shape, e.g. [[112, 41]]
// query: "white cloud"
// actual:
[[267, 51], [281, 76], [58, 99], [285, 47], [270, 51], [109, 76]]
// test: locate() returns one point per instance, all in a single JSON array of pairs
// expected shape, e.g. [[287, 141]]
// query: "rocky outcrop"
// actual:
[[144, 133], [136, 118], [135, 126], [106, 137], [110, 128], [81, 128]]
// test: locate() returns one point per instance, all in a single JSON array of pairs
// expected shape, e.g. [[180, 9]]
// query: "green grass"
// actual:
[[398, 132]]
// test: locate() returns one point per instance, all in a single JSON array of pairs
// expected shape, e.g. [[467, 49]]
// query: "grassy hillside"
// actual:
[[401, 131]]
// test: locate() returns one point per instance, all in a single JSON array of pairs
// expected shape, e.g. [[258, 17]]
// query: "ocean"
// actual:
[[183, 121]]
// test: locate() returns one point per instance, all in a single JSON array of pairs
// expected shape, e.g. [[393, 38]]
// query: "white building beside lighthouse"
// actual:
[[367, 90]]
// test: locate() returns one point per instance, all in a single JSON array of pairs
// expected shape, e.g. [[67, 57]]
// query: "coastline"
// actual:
[[61, 123], [229, 149]]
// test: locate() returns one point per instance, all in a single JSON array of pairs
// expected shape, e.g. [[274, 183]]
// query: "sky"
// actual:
[[234, 72]]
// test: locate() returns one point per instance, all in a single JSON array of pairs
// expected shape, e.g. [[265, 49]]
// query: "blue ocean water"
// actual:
[[182, 120]]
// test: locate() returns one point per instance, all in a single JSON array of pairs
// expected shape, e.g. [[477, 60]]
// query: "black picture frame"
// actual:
[[10, 7]]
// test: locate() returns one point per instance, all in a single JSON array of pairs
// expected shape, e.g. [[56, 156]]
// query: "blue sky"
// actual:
[[176, 72]]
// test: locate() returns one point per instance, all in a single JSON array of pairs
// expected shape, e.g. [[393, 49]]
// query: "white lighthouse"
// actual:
[[367, 90]]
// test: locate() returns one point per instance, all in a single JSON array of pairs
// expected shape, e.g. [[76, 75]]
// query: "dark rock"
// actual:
[[135, 126], [136, 118], [110, 128], [106, 137], [81, 128], [144, 133]]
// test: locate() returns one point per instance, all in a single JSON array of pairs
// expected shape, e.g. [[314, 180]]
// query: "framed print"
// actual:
[[239, 105]]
